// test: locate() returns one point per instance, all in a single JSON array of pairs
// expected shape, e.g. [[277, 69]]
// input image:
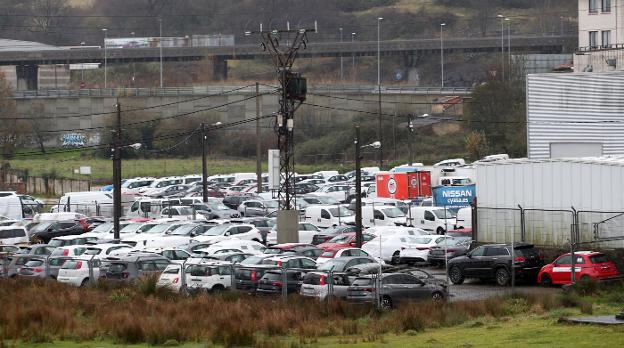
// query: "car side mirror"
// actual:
[[227, 234]]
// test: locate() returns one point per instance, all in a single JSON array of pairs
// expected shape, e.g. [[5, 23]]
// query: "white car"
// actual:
[[213, 276], [396, 230], [100, 251], [79, 271], [153, 237], [338, 192], [332, 254], [105, 230], [70, 250], [247, 246], [181, 213], [419, 249], [170, 278], [234, 231], [388, 247], [70, 240], [316, 284], [13, 235]]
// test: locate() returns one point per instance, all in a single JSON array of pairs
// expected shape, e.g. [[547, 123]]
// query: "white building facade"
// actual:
[[601, 35]]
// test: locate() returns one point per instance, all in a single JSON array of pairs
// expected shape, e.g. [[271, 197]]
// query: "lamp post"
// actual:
[[502, 18], [509, 44], [133, 70], [82, 69], [379, 131], [411, 127], [442, 54], [353, 56], [341, 58], [204, 165], [358, 185], [160, 44], [105, 56]]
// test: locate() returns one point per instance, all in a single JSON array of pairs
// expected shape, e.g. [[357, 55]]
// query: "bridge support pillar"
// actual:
[[219, 68], [26, 77]]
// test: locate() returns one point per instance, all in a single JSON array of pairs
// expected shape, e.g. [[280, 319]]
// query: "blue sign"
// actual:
[[454, 196]]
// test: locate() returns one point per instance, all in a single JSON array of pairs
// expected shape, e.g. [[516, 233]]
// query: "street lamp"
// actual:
[[341, 58], [116, 155], [509, 44], [411, 128], [160, 43], [133, 70], [502, 18], [353, 56], [105, 55], [204, 165], [442, 55], [358, 184], [379, 131]]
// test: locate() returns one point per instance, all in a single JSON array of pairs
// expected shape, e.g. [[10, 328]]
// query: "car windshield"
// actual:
[[273, 251], [447, 242], [185, 211], [335, 264], [183, 230], [327, 200], [441, 214], [56, 243], [34, 263], [252, 260], [393, 212], [422, 240], [271, 204], [131, 228], [219, 207], [41, 227], [159, 228], [103, 228], [340, 212], [340, 239], [93, 251], [217, 230]]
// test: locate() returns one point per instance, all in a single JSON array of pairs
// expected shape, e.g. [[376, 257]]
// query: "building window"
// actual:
[[606, 38], [606, 5], [593, 8], [593, 39]]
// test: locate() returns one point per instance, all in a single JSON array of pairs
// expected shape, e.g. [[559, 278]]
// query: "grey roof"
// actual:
[[7, 45], [614, 160]]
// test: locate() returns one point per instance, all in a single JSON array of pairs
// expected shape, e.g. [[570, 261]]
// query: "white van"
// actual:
[[382, 215], [134, 185], [434, 219], [150, 207], [464, 218], [13, 206], [453, 162], [325, 216], [13, 235], [87, 203]]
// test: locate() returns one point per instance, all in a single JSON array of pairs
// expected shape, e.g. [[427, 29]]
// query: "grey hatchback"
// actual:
[[395, 288], [133, 266]]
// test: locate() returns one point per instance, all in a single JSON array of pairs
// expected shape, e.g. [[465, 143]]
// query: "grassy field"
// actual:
[[533, 331], [49, 314], [63, 165]]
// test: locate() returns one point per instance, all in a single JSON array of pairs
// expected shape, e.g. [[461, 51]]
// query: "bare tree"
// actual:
[[10, 129], [46, 14]]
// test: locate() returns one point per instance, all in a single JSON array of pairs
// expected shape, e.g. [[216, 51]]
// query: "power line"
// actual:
[[132, 110]]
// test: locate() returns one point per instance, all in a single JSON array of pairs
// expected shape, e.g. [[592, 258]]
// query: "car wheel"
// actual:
[[440, 230], [217, 288], [84, 283], [546, 280], [456, 276], [585, 278], [502, 277], [437, 296], [395, 258], [386, 303]]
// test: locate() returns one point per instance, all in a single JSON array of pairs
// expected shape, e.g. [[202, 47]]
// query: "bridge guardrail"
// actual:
[[201, 91]]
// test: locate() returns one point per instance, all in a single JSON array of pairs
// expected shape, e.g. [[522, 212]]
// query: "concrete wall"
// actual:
[[334, 110]]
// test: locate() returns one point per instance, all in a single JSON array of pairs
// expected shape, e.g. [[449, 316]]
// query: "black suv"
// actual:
[[494, 262], [46, 230]]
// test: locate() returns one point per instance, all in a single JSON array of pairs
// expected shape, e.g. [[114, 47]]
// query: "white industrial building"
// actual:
[[549, 191], [575, 115]]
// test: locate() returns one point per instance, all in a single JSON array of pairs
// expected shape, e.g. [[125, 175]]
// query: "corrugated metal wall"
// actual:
[[575, 108]]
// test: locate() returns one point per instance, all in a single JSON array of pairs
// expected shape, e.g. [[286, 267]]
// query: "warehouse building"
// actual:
[[575, 115], [550, 202]]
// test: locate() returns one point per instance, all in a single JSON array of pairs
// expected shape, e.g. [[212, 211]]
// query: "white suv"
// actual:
[[234, 231]]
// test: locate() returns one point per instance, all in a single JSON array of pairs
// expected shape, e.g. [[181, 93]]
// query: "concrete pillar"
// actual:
[[219, 68]]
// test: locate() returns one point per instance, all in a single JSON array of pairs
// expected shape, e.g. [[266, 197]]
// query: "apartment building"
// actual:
[[601, 35]]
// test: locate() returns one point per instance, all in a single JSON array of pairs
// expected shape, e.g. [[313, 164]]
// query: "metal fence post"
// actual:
[[233, 276], [194, 212], [91, 274], [330, 284], [284, 282], [97, 209], [522, 224], [46, 267], [573, 241], [183, 276]]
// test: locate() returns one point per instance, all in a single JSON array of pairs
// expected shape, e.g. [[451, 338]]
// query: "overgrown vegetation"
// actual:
[[36, 311]]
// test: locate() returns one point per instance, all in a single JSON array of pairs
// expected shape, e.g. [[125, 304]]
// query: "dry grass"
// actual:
[[43, 311]]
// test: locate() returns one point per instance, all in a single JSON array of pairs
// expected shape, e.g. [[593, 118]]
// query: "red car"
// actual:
[[588, 265], [345, 240]]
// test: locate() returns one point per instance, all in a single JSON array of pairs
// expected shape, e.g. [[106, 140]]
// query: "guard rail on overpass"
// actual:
[[544, 44], [210, 90]]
